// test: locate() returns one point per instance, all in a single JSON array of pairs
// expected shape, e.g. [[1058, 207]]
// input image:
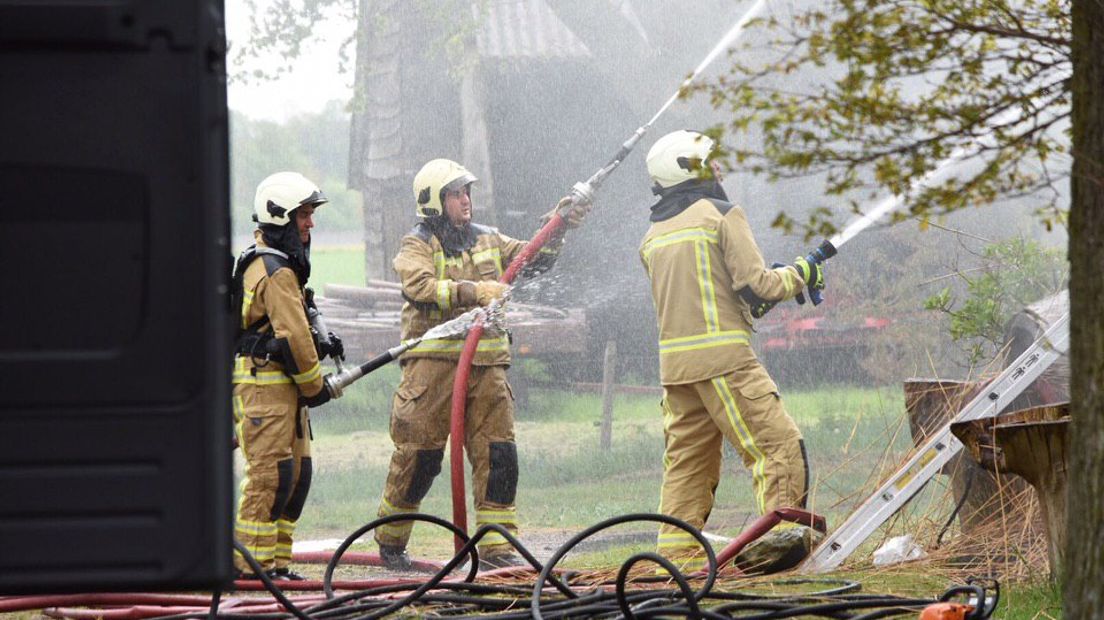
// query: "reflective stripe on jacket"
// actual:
[[430, 283], [697, 262], [271, 289]]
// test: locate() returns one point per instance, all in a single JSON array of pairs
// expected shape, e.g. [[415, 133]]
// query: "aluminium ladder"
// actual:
[[937, 450]]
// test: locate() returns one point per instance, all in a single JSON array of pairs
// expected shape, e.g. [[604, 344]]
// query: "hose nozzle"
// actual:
[[822, 252]]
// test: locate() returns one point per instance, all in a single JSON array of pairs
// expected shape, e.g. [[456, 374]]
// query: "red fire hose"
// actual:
[[463, 370]]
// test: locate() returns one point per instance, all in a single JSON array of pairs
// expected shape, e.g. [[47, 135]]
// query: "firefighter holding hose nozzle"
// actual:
[[448, 265], [277, 373], [706, 275]]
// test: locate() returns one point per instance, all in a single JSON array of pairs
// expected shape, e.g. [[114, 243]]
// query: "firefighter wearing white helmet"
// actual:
[[705, 270], [678, 157], [448, 265], [277, 372], [434, 179]]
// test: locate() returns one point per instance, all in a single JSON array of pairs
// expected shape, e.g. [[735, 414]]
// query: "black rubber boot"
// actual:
[[286, 574], [272, 574], [395, 558]]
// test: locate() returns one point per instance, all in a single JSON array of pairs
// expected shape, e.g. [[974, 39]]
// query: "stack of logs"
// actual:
[[367, 318]]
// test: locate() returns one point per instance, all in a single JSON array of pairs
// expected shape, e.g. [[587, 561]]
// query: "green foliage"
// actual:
[[282, 30], [1014, 273], [316, 145], [892, 88]]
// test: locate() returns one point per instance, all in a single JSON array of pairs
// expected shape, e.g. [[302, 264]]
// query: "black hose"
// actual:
[[467, 599], [958, 506], [216, 598], [271, 587], [669, 566], [570, 544]]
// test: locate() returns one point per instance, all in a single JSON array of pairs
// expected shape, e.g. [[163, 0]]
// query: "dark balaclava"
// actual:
[[454, 239], [675, 199], [286, 239]]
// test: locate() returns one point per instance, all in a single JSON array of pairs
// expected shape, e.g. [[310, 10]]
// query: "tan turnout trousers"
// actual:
[[743, 408], [420, 419], [275, 439]]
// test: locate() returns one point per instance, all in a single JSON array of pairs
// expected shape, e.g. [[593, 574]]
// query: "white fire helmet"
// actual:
[[433, 180], [678, 156], [281, 193]]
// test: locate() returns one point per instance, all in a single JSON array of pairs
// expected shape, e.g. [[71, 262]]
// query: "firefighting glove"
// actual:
[[811, 272], [487, 291], [319, 399], [574, 214], [335, 349], [480, 293]]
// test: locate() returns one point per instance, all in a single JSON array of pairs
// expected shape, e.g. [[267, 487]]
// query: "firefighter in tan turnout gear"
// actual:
[[277, 374], [449, 265], [706, 271]]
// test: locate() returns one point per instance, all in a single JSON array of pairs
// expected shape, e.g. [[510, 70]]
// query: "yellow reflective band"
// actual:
[[244, 374], [456, 346], [684, 565], [494, 254], [283, 550], [444, 295], [239, 408], [254, 529], [679, 236], [502, 518], [705, 285], [387, 509], [668, 420], [285, 527], [669, 539], [261, 554], [397, 529], [758, 468], [703, 341], [310, 375], [442, 263], [492, 538], [439, 263], [247, 303]]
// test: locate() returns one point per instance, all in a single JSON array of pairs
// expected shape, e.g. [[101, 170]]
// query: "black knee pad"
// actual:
[[503, 478], [427, 465], [285, 469], [298, 497]]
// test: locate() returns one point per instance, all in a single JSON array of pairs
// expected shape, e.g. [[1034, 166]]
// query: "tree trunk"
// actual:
[[1084, 572], [376, 136]]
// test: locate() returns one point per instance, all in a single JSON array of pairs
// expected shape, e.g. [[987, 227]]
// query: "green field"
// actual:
[[336, 265]]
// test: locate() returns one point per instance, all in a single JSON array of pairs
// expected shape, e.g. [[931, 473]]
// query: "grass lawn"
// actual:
[[854, 437], [336, 265]]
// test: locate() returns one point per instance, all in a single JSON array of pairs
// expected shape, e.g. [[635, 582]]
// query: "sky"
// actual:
[[315, 73]]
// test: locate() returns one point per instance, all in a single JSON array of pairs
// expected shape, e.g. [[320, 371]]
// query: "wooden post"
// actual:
[[1031, 443], [609, 379]]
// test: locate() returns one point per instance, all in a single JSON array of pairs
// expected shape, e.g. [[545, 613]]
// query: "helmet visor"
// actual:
[[457, 184], [316, 198]]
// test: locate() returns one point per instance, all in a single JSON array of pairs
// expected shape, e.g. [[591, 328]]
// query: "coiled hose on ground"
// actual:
[[540, 591]]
